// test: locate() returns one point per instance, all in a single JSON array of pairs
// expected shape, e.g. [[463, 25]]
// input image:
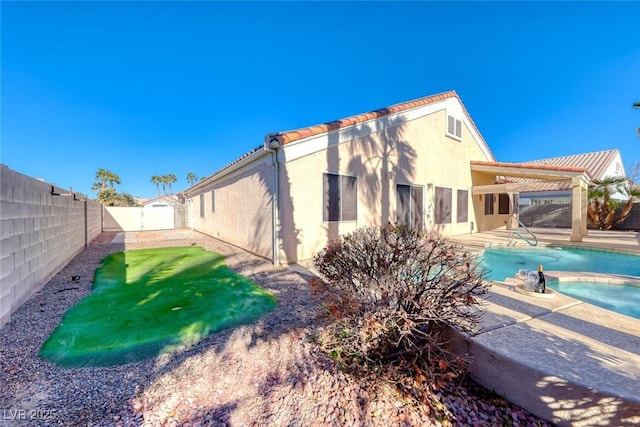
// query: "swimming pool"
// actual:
[[501, 263], [623, 299]]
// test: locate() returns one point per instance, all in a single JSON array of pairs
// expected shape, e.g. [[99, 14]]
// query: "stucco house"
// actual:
[[421, 163], [600, 164]]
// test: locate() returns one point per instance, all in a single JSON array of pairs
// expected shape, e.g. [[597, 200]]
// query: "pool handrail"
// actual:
[[517, 233]]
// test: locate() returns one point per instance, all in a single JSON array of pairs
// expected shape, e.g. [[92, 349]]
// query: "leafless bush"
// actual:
[[394, 294]]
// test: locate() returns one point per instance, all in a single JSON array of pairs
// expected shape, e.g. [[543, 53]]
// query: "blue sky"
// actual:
[[139, 87]]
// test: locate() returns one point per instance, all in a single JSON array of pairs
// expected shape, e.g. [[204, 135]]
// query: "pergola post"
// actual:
[[585, 202], [578, 209]]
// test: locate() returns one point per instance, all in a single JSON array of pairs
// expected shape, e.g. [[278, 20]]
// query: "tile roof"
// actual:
[[208, 179], [238, 160], [297, 134], [596, 163]]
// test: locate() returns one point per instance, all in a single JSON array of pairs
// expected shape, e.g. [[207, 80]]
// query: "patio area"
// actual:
[[624, 241], [560, 358]]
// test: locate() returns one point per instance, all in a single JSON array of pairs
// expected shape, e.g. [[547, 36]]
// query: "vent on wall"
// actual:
[[454, 127]]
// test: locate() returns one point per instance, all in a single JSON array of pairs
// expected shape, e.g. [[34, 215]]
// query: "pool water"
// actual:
[[623, 299], [501, 263]]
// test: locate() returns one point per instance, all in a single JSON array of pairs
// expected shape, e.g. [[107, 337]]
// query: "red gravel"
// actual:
[[269, 373]]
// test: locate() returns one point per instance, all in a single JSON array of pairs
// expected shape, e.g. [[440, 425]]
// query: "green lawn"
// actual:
[[152, 301]]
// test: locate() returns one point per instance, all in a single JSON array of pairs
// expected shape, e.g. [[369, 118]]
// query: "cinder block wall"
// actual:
[[39, 234], [181, 216]]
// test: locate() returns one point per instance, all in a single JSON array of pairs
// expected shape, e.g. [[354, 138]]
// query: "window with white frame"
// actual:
[[202, 206], [409, 206], [213, 200], [339, 198], [454, 127]]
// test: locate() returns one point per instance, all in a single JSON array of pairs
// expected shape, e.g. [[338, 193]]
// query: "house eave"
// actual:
[[239, 164]]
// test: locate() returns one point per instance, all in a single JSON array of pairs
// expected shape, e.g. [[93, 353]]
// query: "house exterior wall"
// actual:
[[408, 147], [616, 169], [491, 221], [486, 222], [243, 207], [402, 150]]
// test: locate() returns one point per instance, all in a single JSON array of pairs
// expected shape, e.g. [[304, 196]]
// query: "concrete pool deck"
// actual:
[[564, 360]]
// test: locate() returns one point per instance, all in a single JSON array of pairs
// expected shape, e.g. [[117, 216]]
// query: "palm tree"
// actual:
[[108, 197], [602, 210], [634, 194], [156, 179], [126, 199], [191, 178], [163, 181], [111, 178], [102, 176], [171, 178]]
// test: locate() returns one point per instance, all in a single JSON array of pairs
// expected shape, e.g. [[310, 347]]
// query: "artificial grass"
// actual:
[[151, 301]]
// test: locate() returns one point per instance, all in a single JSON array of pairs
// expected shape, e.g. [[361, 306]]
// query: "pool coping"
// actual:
[[563, 359]]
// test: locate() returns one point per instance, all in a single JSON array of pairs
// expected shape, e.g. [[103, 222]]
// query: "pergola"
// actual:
[[579, 178]]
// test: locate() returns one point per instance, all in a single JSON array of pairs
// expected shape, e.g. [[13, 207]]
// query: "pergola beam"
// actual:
[[578, 177], [510, 187]]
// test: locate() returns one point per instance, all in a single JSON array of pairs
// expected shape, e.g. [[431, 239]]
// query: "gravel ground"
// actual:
[[268, 373]]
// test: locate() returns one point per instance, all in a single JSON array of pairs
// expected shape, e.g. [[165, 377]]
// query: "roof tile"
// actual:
[[596, 162], [297, 134]]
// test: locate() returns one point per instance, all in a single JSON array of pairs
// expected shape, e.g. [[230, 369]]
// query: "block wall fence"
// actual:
[[41, 230], [559, 216]]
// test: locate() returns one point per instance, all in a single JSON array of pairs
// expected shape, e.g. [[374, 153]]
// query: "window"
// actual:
[[503, 203], [339, 198], [213, 200], [488, 204], [202, 206], [454, 127], [410, 202], [462, 214], [443, 205]]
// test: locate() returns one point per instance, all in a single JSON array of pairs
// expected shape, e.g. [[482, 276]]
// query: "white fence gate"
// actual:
[[138, 219]]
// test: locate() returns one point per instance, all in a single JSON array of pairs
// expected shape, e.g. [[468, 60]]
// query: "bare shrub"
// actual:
[[394, 293]]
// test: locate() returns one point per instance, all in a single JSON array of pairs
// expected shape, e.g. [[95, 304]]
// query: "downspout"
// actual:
[[271, 144]]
